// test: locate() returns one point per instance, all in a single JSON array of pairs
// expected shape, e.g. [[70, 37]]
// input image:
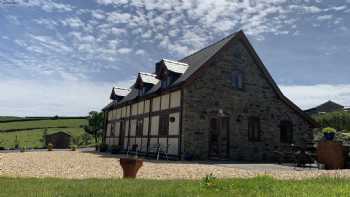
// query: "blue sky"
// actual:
[[63, 57]]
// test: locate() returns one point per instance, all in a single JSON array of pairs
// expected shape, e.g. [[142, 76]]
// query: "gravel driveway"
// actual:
[[80, 165]]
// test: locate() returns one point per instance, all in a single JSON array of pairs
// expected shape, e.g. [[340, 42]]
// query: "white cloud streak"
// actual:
[[65, 98], [313, 95]]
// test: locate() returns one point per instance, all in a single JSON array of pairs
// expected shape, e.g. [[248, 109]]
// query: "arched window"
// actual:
[[286, 131], [237, 79]]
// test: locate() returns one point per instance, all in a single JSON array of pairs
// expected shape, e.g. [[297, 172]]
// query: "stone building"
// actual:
[[326, 107], [217, 103]]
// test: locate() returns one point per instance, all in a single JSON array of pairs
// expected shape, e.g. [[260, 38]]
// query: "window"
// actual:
[[164, 124], [286, 132], [254, 131], [141, 91], [139, 127], [237, 79], [166, 82]]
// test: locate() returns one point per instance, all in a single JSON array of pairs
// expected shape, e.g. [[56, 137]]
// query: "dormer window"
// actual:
[[168, 71], [144, 82], [141, 91]]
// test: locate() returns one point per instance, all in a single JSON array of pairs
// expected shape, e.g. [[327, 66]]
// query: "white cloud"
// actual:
[[313, 95], [124, 50], [46, 5], [73, 22], [325, 17], [68, 97]]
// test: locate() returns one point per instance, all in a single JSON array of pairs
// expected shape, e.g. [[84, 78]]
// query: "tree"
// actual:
[[43, 138], [95, 125]]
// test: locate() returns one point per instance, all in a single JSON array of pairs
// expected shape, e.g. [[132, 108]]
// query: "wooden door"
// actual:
[[122, 133], [218, 138]]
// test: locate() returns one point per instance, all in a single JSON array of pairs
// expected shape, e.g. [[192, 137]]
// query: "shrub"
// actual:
[[339, 120], [73, 147], [50, 147], [86, 138], [103, 147], [329, 130], [209, 180], [22, 149], [115, 149], [16, 142]]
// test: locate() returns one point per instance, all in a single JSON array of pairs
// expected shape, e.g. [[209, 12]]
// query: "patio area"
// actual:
[[89, 164]]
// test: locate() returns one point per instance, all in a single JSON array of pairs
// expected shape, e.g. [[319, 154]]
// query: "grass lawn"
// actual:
[[260, 186], [73, 123], [32, 138]]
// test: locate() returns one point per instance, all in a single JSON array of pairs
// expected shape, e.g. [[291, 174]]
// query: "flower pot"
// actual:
[[329, 136], [130, 167]]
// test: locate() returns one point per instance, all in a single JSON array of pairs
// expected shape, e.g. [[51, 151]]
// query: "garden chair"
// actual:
[[158, 149], [134, 150]]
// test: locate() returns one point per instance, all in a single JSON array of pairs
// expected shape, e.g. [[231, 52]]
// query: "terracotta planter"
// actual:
[[130, 167], [331, 154]]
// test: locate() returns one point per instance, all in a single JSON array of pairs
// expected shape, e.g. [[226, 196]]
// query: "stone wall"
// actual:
[[213, 91]]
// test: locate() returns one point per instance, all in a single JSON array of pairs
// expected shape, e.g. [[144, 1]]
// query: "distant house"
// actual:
[[326, 107], [59, 139], [217, 103]]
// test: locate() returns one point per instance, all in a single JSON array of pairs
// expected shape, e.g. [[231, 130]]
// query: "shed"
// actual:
[[59, 139]]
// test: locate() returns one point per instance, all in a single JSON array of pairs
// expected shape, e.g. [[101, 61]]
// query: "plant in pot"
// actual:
[[50, 147], [73, 147], [130, 166], [329, 133], [103, 147]]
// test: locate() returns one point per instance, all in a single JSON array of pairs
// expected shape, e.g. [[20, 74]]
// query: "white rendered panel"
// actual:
[[154, 125], [174, 127]]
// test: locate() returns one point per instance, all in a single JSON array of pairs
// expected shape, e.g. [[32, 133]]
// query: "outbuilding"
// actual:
[[59, 139]]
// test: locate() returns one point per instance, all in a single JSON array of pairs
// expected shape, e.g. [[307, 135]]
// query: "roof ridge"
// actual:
[[120, 88], [149, 74], [176, 62], [234, 33]]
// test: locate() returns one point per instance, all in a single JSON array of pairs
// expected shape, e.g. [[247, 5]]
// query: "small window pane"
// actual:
[[237, 79], [286, 132], [164, 124], [254, 131]]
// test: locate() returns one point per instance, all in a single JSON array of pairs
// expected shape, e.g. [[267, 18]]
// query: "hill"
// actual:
[[28, 132]]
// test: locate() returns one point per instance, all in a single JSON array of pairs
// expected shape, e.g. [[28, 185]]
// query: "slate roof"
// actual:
[[197, 59], [186, 66], [121, 91], [132, 95], [148, 78], [175, 66]]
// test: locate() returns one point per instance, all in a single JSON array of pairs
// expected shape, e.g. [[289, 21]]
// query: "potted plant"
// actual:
[[103, 147], [329, 133], [50, 147], [73, 147], [130, 166]]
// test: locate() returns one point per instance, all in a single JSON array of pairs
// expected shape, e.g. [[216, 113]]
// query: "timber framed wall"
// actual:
[[140, 121]]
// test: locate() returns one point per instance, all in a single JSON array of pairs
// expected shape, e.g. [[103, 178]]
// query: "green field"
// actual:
[[6, 118], [33, 138], [260, 186], [73, 123]]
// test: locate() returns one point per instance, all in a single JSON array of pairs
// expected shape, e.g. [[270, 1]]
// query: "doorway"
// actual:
[[219, 138], [122, 133]]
